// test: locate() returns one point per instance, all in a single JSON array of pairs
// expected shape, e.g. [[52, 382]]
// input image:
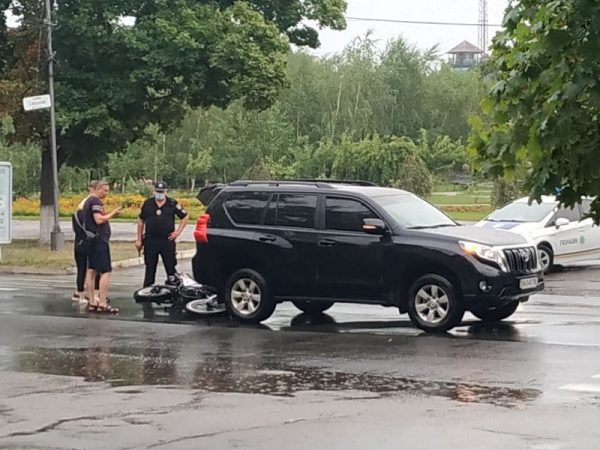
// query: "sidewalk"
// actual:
[[30, 229]]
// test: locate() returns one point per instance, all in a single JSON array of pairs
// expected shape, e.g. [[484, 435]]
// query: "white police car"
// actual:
[[562, 235]]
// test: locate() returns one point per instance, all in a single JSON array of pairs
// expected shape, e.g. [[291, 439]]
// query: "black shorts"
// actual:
[[99, 257]]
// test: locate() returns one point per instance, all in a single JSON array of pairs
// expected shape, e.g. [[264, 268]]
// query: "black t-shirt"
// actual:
[[79, 233], [160, 221], [94, 205]]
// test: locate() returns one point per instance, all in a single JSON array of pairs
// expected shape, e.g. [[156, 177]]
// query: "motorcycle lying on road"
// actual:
[[181, 294]]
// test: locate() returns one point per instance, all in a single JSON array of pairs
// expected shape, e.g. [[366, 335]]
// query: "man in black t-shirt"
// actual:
[[81, 256], [156, 231], [97, 220]]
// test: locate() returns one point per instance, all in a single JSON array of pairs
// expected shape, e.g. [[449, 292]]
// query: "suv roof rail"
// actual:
[[323, 183], [331, 181]]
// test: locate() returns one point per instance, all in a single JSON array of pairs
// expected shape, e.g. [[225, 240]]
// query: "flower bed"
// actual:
[[466, 208], [131, 203]]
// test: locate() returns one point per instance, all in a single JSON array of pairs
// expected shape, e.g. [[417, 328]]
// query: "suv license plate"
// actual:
[[528, 283]]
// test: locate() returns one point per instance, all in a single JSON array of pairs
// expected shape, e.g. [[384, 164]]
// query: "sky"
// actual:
[[422, 36]]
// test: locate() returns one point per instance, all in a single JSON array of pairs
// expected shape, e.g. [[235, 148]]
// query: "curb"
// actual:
[[32, 270], [123, 264]]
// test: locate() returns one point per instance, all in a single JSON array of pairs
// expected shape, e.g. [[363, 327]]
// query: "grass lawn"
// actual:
[[469, 216], [30, 253], [461, 198]]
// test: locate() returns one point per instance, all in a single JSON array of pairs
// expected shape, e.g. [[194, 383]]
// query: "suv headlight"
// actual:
[[485, 252]]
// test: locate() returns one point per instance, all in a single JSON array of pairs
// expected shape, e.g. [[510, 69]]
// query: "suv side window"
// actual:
[[246, 208], [343, 214], [292, 210], [572, 214]]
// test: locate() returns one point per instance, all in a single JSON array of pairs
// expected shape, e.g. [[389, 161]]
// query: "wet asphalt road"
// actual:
[[357, 377]]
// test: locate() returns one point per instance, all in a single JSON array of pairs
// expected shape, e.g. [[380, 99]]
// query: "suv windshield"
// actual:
[[522, 212], [413, 212]]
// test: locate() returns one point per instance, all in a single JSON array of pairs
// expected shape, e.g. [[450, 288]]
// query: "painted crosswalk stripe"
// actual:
[[581, 387]]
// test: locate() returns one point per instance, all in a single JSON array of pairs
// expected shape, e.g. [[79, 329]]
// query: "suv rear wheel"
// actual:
[[247, 297], [433, 304], [312, 307]]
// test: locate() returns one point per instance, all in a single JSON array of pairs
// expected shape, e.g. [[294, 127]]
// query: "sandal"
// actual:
[[107, 309], [93, 307], [79, 298]]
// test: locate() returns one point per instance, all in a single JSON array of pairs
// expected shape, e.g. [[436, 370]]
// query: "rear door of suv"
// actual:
[[351, 262], [234, 218], [289, 244]]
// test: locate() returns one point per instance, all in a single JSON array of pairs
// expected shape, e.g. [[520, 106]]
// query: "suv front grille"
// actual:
[[521, 260]]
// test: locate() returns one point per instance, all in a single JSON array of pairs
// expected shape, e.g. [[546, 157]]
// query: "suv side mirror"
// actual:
[[561, 222], [374, 226]]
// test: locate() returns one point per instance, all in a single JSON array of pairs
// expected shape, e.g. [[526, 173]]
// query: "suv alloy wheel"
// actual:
[[247, 297], [546, 256], [433, 304]]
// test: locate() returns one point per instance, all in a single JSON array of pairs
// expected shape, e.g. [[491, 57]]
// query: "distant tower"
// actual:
[[482, 35]]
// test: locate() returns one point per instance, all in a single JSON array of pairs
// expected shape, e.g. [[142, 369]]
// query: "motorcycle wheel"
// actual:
[[207, 306], [152, 294]]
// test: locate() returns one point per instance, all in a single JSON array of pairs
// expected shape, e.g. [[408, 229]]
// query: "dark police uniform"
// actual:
[[159, 224]]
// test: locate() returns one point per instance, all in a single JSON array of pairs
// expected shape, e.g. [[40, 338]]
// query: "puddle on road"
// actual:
[[218, 373]]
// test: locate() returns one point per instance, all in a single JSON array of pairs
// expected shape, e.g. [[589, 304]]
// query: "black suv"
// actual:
[[316, 243]]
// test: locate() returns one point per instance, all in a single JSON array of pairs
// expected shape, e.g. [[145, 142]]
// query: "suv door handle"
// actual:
[[583, 229], [267, 238], [326, 243]]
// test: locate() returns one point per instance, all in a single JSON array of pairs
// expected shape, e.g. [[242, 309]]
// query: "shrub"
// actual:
[[415, 177], [505, 191]]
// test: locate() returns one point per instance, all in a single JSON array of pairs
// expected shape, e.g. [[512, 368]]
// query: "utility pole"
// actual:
[[57, 238], [482, 37]]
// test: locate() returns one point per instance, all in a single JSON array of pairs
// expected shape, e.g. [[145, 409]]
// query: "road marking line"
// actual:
[[581, 387], [597, 377], [568, 344]]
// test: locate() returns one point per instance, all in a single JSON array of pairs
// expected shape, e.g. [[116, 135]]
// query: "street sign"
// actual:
[[37, 102], [5, 202]]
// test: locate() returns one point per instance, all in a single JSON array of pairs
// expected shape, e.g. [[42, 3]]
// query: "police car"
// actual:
[[562, 235]]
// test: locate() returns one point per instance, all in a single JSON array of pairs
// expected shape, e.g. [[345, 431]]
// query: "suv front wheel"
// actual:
[[247, 297], [496, 314], [433, 304]]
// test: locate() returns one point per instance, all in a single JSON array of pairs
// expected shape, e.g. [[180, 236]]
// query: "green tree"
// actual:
[[442, 156], [25, 159], [450, 98], [542, 113], [116, 78], [372, 159], [198, 165], [405, 70]]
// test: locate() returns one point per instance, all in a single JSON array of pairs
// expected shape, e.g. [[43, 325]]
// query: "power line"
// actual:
[[421, 22]]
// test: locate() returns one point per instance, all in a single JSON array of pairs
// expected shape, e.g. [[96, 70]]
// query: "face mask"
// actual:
[[160, 196]]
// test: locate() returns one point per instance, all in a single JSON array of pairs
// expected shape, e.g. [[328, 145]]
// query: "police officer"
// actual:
[[156, 231]]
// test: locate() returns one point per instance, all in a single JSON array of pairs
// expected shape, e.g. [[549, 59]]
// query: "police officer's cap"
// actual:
[[161, 186]]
